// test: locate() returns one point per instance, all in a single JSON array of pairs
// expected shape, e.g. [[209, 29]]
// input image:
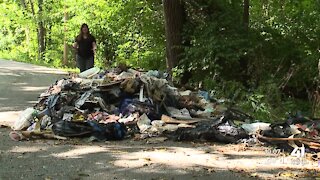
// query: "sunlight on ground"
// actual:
[[43, 70], [47, 70], [79, 151], [19, 66], [34, 88], [9, 74], [180, 160], [20, 83], [25, 149], [32, 102], [178, 157], [174, 157], [8, 118]]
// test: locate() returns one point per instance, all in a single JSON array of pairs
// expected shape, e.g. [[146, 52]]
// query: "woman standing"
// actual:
[[85, 45]]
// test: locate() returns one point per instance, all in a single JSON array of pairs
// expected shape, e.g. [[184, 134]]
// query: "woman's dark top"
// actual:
[[85, 46]]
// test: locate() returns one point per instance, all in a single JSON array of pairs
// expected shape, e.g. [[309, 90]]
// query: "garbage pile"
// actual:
[[121, 103], [111, 105]]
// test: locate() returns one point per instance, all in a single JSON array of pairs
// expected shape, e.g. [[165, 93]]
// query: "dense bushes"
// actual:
[[264, 68]]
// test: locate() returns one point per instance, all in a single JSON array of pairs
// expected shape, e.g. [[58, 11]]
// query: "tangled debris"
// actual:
[[116, 104]]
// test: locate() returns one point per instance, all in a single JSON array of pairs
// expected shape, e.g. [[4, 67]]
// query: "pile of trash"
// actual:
[[121, 103], [111, 105]]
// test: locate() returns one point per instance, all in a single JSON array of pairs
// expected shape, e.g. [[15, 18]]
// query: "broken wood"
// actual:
[[289, 139], [170, 120], [46, 135]]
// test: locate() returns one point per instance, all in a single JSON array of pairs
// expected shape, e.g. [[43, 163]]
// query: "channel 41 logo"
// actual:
[[297, 156]]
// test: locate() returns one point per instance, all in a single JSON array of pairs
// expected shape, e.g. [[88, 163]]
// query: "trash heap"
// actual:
[[110, 105], [121, 103]]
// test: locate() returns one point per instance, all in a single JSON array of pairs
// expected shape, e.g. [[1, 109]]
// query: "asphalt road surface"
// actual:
[[20, 86]]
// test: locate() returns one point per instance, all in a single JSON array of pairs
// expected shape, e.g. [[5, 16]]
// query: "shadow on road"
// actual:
[[127, 159], [77, 159]]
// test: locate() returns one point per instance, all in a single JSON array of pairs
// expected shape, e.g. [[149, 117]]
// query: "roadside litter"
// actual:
[[114, 104]]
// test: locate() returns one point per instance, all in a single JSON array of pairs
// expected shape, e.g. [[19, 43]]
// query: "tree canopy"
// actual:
[[263, 53]]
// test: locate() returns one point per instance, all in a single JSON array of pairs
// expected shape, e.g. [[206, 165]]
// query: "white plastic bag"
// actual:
[[254, 127], [24, 119], [89, 73]]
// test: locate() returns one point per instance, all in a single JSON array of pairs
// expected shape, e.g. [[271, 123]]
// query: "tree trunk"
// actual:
[[246, 14], [41, 31], [244, 61], [65, 49], [27, 30], [23, 3], [41, 39], [174, 19], [32, 8]]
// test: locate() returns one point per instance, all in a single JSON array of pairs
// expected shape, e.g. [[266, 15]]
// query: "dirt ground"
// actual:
[[20, 85]]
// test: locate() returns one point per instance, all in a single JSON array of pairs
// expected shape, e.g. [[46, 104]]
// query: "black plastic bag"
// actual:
[[110, 131], [72, 129]]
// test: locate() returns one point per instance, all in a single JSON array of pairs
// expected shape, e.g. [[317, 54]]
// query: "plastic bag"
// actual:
[[72, 129], [110, 131], [89, 73]]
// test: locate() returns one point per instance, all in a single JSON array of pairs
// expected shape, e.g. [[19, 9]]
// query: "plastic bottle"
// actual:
[[24, 119]]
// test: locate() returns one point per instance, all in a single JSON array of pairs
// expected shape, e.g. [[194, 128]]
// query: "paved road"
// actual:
[[20, 85]]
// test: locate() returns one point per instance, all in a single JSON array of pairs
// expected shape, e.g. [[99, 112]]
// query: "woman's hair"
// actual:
[[80, 36]]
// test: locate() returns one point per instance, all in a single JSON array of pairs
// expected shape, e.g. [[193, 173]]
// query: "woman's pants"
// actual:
[[84, 63]]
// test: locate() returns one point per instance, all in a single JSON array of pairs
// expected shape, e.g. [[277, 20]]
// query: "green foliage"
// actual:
[[140, 34], [265, 68], [127, 31], [272, 63], [215, 39], [18, 41], [289, 32]]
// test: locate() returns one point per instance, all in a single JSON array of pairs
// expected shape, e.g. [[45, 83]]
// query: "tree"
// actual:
[[174, 20], [40, 27], [41, 31], [246, 14], [65, 45]]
